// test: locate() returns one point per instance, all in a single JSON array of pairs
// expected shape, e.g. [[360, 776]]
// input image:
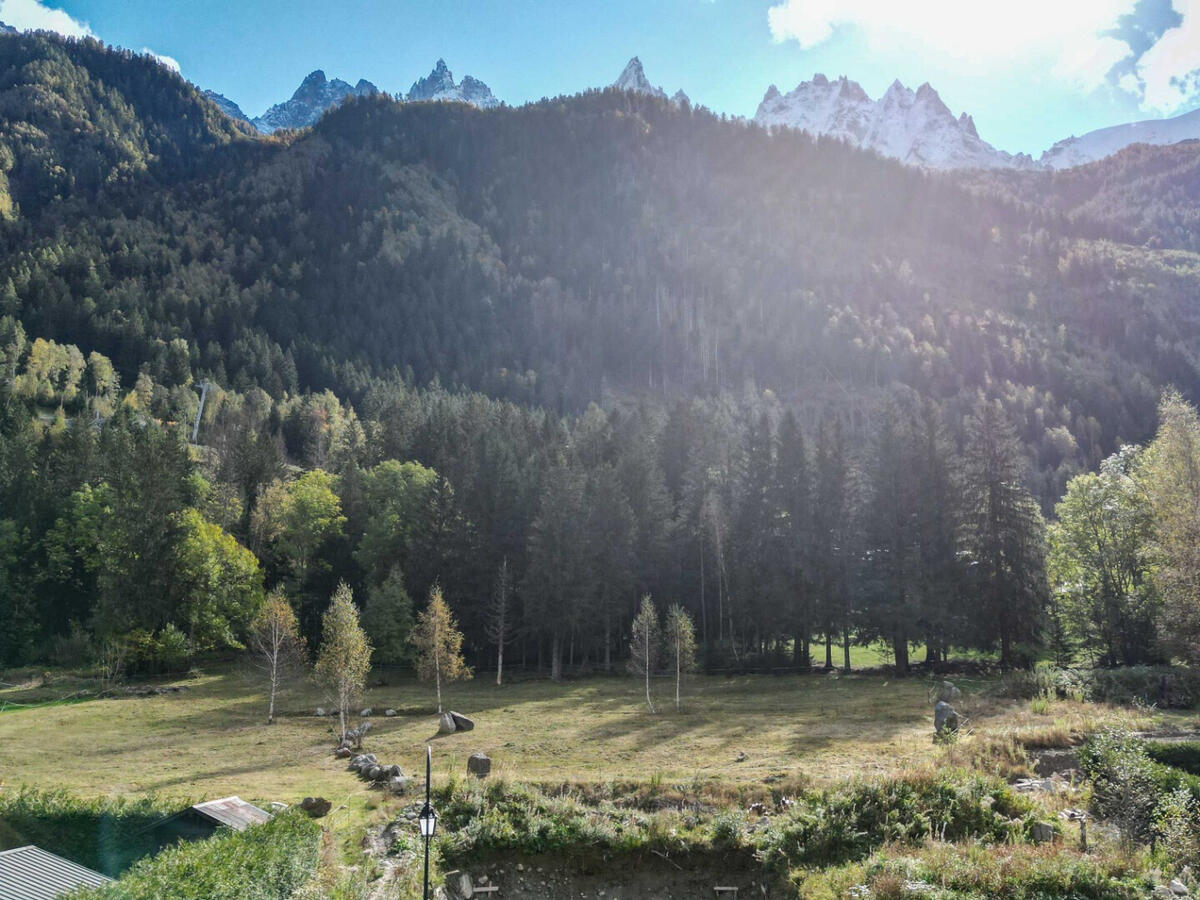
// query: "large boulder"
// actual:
[[446, 724], [316, 807], [399, 784], [461, 722], [948, 692], [945, 719], [479, 765]]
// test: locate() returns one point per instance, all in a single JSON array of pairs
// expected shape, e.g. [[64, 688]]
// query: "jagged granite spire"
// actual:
[[914, 127]]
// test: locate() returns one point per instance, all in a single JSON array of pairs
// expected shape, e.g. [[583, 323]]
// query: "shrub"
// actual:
[[263, 862], [1177, 827], [103, 834], [847, 824], [1183, 755], [1124, 785]]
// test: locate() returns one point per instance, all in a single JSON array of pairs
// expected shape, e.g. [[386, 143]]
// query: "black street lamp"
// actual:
[[427, 820]]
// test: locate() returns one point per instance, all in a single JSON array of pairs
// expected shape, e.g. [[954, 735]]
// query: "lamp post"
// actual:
[[427, 820]]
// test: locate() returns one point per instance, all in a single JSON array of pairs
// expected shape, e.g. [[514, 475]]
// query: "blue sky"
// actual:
[[1029, 71]]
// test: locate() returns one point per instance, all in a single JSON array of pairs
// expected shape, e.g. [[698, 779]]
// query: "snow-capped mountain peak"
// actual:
[[633, 78], [315, 95], [440, 85], [1076, 151], [915, 127]]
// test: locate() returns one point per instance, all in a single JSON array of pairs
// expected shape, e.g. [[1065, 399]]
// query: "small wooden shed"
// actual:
[[31, 873], [202, 820]]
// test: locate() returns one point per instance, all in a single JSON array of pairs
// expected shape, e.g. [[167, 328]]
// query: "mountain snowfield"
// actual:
[[1078, 151], [915, 127]]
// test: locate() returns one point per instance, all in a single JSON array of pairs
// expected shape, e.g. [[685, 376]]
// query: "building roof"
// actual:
[[30, 873], [232, 811]]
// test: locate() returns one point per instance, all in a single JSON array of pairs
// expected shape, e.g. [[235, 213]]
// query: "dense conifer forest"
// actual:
[[610, 347]]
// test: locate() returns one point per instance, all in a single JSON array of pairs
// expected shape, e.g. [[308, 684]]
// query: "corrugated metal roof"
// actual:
[[30, 873], [232, 811]]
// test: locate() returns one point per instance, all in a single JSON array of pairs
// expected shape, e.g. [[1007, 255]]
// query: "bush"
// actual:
[[1177, 827], [849, 823], [103, 834], [1183, 755], [264, 862]]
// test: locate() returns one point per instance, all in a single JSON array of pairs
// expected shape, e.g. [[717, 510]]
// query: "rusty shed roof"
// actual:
[[232, 811], [31, 873]]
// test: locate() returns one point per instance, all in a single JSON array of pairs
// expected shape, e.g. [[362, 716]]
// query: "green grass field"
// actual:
[[213, 739]]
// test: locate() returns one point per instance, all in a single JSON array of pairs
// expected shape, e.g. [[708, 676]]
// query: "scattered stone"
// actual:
[[944, 717], [316, 807], [479, 765], [741, 757], [399, 784], [464, 885], [947, 692], [446, 724], [389, 713], [1043, 832], [365, 713], [1178, 888], [1051, 785], [320, 711], [461, 722], [342, 752]]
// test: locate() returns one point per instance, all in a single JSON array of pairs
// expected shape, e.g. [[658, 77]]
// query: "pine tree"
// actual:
[[439, 644], [1004, 535], [388, 618], [345, 658], [794, 500], [645, 644], [500, 617], [680, 645]]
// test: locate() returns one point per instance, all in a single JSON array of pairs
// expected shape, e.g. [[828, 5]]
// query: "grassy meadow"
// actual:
[[213, 740]]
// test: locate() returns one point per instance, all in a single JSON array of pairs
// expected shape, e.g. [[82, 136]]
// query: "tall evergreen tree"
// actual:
[[1004, 535]]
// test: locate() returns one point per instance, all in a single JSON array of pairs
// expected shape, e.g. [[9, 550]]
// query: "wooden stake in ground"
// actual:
[[439, 644], [681, 645], [645, 643]]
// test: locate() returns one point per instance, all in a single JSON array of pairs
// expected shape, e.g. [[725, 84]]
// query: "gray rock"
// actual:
[[399, 784], [375, 773], [365, 713], [316, 807], [461, 722], [446, 724], [479, 765], [944, 717], [1043, 832], [947, 692], [320, 711], [1178, 888], [464, 886], [389, 713], [342, 752]]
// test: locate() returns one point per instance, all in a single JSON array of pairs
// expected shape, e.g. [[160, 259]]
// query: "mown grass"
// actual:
[[213, 740]]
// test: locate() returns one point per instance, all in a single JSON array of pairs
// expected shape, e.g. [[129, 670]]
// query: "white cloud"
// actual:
[[31, 15], [169, 61], [1072, 38], [1169, 71]]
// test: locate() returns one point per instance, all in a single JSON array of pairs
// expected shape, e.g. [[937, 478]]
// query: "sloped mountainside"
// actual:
[[1096, 145], [914, 127], [583, 249]]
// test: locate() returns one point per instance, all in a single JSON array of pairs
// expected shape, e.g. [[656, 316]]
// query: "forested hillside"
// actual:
[[629, 348]]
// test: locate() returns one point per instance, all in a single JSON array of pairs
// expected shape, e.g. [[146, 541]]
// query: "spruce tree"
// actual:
[[1004, 536]]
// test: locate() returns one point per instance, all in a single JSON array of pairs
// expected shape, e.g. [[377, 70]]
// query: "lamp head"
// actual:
[[427, 820]]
